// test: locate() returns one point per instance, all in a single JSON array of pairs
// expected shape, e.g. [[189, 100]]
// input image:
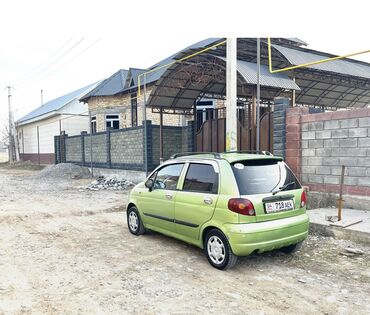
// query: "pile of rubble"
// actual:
[[64, 171], [112, 183]]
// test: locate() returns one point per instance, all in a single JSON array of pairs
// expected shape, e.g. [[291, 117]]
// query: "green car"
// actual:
[[230, 204]]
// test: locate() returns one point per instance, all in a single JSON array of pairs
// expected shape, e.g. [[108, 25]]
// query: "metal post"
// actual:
[[258, 93], [91, 147], [293, 91], [42, 97], [38, 145], [231, 95], [60, 141], [340, 200], [161, 136], [145, 130]]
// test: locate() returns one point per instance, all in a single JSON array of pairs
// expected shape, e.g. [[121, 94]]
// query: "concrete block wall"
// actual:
[[126, 146], [327, 141], [99, 148], [73, 149]]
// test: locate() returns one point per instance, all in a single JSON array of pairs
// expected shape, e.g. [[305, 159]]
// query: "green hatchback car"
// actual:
[[230, 204]]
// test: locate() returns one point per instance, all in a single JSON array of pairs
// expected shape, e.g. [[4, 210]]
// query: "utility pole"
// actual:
[[10, 129], [258, 93], [231, 95], [42, 97]]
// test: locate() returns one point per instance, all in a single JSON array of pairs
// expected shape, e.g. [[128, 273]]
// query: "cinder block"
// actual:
[[337, 170], [348, 143], [308, 135], [329, 161], [315, 144], [304, 144], [348, 123], [304, 127], [319, 179], [364, 121], [331, 143], [364, 181], [322, 170], [304, 178], [364, 142], [304, 160], [339, 133], [356, 171], [354, 152], [357, 132], [316, 125], [364, 161], [348, 161], [350, 180], [323, 152], [308, 152], [308, 169], [323, 134], [331, 179], [315, 161], [331, 124]]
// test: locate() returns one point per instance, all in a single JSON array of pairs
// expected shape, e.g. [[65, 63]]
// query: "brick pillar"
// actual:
[[280, 107], [83, 134], [63, 137], [293, 153], [107, 142], [190, 135], [149, 145]]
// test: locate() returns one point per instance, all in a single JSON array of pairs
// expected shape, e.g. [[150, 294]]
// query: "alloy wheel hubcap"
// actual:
[[133, 221], [216, 250]]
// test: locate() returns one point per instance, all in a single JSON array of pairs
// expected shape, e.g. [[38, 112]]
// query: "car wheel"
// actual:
[[291, 248], [134, 223], [218, 250]]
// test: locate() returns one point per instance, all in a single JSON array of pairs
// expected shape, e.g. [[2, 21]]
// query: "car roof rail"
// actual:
[[251, 152], [216, 155]]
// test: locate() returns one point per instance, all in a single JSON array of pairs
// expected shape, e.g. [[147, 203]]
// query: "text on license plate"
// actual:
[[279, 206]]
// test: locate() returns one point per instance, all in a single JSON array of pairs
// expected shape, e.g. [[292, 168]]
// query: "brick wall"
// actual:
[[317, 145], [101, 106]]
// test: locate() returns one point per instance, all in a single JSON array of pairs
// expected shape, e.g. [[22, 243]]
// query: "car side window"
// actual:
[[168, 176], [201, 178]]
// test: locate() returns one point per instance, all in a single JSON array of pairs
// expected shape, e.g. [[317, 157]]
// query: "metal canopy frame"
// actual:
[[319, 88]]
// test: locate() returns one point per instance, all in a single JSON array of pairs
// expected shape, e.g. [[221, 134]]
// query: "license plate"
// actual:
[[279, 206]]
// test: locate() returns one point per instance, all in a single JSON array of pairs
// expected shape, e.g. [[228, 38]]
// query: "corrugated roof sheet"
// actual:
[[110, 86], [57, 103], [248, 71], [347, 67]]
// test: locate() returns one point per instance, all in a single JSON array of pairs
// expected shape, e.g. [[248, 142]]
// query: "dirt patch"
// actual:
[[68, 252], [22, 165]]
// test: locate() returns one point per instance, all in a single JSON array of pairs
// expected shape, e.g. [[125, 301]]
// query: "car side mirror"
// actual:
[[149, 184]]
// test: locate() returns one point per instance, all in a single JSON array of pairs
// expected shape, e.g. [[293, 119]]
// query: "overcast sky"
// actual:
[[60, 46]]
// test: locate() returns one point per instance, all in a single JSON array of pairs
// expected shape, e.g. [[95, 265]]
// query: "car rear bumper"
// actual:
[[265, 236]]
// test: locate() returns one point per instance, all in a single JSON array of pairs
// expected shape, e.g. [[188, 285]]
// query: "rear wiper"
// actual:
[[274, 192]]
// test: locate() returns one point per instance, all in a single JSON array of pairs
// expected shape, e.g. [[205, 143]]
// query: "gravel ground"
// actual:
[[63, 251]]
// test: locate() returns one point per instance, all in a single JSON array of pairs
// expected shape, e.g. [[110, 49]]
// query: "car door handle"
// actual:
[[208, 200], [169, 196]]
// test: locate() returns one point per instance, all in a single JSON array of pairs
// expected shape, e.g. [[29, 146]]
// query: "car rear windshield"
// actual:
[[263, 176]]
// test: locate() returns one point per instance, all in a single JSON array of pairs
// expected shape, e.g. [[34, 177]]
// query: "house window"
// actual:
[[112, 122], [93, 124], [133, 110]]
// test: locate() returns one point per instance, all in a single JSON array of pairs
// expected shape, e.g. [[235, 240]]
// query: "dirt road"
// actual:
[[63, 251]]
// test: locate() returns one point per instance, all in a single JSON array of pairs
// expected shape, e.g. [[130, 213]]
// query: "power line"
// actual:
[[27, 82], [41, 64], [61, 66]]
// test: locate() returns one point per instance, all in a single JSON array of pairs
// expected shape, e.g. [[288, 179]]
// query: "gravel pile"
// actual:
[[64, 171], [112, 183]]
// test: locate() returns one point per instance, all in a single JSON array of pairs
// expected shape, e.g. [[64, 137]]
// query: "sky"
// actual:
[[61, 46]]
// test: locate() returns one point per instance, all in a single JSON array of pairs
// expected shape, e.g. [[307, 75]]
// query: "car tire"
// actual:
[[218, 250], [134, 222], [291, 248]]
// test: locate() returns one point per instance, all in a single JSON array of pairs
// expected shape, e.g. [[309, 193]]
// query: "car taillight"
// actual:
[[303, 199], [241, 206]]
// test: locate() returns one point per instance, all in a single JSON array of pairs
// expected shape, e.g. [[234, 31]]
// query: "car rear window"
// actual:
[[263, 176]]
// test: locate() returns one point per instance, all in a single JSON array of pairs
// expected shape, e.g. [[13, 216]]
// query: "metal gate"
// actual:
[[211, 134]]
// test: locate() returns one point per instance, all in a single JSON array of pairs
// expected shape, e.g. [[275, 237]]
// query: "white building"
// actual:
[[37, 129]]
